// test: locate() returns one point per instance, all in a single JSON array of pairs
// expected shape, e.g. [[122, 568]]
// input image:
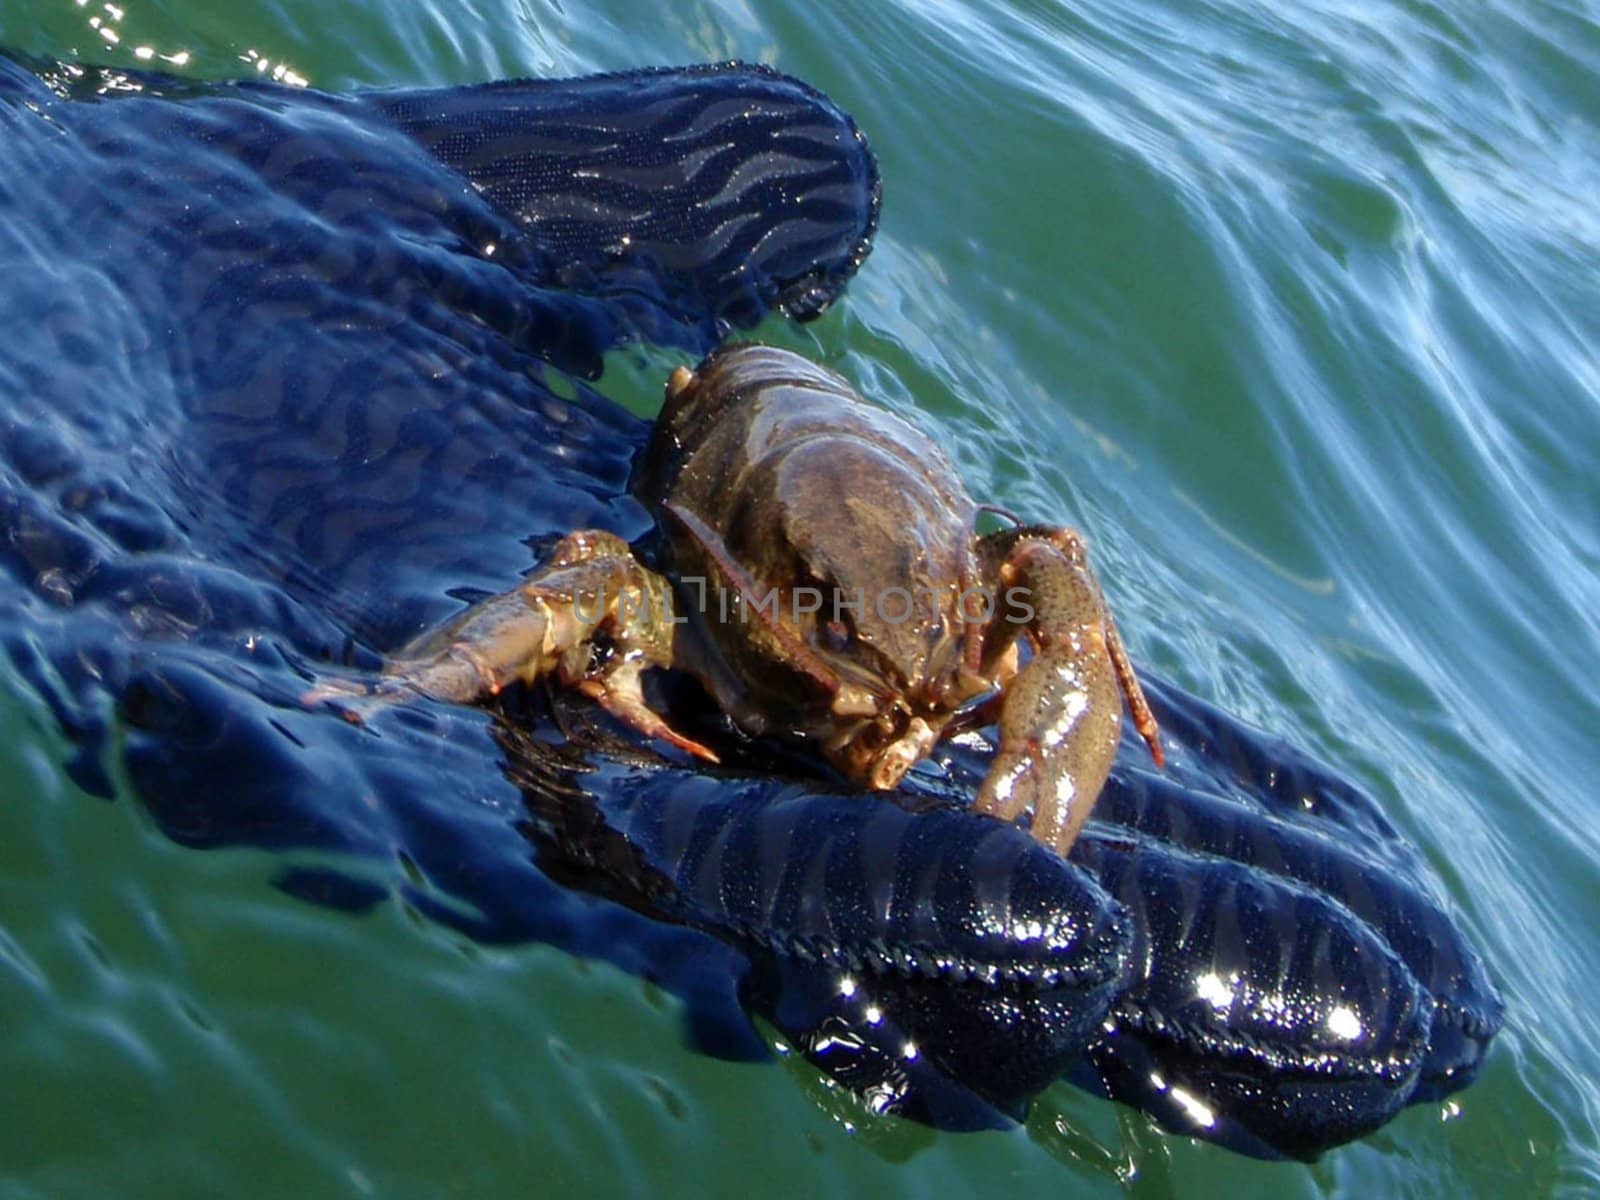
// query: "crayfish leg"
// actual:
[[620, 692], [1144, 721]]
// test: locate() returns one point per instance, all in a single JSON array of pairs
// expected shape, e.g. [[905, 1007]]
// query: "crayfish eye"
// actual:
[[835, 636]]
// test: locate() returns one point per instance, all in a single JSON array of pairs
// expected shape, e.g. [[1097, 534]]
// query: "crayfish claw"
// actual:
[[1060, 721]]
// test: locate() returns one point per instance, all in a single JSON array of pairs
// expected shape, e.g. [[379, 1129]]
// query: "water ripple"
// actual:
[[1292, 309]]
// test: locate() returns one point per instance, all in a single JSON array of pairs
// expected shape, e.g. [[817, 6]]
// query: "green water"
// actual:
[[1291, 308]]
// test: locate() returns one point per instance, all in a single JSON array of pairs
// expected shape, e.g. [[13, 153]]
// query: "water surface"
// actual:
[[1291, 310]]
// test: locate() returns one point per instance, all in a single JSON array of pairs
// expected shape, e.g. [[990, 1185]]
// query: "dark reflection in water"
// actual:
[[290, 376]]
